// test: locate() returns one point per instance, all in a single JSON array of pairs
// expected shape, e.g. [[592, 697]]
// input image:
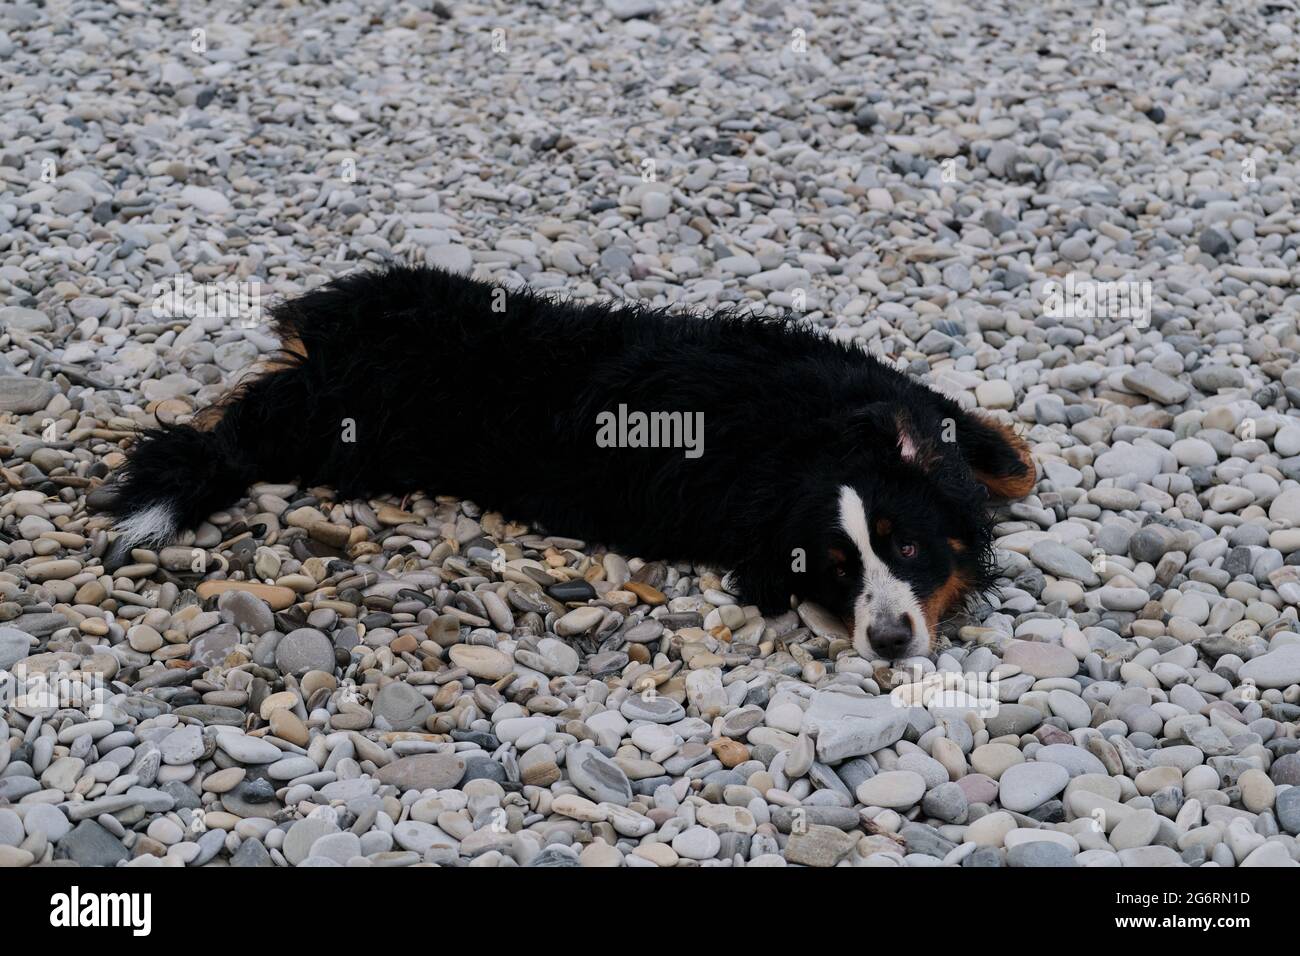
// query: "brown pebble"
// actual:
[[312, 681], [286, 725], [404, 644], [277, 598], [223, 780], [732, 753], [330, 534], [279, 701], [648, 595]]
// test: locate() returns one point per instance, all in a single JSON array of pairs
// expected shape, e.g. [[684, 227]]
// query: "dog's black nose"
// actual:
[[890, 637]]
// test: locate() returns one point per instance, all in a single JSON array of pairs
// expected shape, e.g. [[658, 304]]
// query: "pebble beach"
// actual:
[[304, 681]]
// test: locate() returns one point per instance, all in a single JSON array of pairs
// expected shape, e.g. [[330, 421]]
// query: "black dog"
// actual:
[[748, 443]]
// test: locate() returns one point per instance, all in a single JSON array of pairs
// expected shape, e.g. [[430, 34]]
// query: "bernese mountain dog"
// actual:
[[807, 467]]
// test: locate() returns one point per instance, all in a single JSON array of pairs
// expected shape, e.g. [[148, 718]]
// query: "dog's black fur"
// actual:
[[459, 387]]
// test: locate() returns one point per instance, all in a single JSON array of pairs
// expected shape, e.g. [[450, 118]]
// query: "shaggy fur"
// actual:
[[458, 387]]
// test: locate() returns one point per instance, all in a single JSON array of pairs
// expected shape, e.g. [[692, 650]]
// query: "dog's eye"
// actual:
[[907, 549], [841, 571]]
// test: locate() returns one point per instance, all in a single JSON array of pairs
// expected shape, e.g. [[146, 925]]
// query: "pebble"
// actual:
[[302, 650], [1024, 786], [597, 776], [486, 663], [438, 771], [894, 789], [1276, 669], [1041, 660]]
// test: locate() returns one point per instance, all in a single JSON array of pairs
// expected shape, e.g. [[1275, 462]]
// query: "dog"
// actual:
[[742, 442]]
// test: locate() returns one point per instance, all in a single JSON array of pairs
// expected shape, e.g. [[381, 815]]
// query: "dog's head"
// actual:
[[898, 526]]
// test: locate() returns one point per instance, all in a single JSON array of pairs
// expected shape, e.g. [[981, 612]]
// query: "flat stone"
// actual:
[[1155, 384], [597, 776], [252, 799], [249, 750], [1058, 560], [1287, 810], [1013, 719], [339, 847], [1041, 660], [579, 621], [213, 647], [484, 663], [657, 709], [47, 820], [1024, 786], [437, 771], [1040, 853], [399, 706], [183, 745], [22, 395], [246, 610], [892, 789], [302, 650], [697, 843], [277, 598], [15, 645], [303, 834], [251, 853], [290, 768], [89, 844], [1276, 669], [854, 736], [819, 845]]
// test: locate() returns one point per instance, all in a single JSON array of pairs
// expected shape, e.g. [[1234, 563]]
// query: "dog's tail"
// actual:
[[177, 475], [283, 423]]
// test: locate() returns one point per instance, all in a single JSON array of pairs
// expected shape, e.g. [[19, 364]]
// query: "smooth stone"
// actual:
[[399, 706], [1025, 786], [1276, 669], [302, 650], [436, 771], [1041, 660], [89, 844], [598, 777], [892, 789], [303, 834], [15, 645], [277, 598], [484, 663], [250, 750], [1062, 562], [819, 845]]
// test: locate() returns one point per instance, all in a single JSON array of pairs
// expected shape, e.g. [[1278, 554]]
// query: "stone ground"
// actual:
[[308, 681]]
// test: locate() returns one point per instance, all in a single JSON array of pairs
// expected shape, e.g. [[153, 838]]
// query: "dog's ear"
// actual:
[[892, 426], [999, 458]]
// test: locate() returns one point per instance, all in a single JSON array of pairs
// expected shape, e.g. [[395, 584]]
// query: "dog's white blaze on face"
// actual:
[[883, 595]]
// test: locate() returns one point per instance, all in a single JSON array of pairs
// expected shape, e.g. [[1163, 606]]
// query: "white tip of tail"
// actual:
[[156, 524]]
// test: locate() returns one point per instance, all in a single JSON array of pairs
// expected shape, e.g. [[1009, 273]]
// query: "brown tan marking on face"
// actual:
[[1011, 486], [944, 598], [883, 527]]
